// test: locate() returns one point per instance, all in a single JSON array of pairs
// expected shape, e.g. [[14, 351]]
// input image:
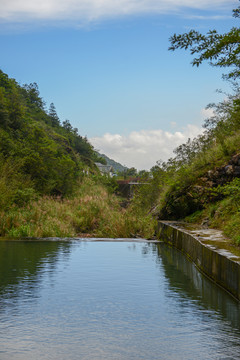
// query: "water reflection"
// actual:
[[23, 265], [92, 300], [188, 282]]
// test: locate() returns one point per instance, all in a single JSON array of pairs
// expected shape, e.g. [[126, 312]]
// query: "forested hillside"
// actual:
[[38, 154]]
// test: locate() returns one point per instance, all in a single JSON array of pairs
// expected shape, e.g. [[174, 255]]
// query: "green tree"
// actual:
[[53, 115], [33, 95], [4, 118], [67, 125], [221, 50], [131, 172], [15, 109]]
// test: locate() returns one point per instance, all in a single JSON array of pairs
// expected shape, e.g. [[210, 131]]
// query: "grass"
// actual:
[[223, 215], [92, 211]]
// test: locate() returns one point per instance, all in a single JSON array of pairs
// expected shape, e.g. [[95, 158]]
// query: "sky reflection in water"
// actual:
[[110, 300]]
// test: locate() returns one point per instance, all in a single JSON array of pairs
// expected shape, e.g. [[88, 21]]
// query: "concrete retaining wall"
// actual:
[[218, 267]]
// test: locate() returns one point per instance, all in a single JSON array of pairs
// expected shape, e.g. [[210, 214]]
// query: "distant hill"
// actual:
[[116, 166]]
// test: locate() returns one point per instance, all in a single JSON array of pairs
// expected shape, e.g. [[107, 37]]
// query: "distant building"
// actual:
[[105, 169]]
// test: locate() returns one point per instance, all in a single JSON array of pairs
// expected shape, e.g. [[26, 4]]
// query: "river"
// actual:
[[122, 300]]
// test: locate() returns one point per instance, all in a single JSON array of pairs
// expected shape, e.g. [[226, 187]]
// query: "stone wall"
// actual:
[[212, 263]]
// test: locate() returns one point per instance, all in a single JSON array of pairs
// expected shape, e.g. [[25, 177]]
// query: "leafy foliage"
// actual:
[[221, 50]]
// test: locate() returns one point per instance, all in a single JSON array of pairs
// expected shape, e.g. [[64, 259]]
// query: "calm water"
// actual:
[[110, 300]]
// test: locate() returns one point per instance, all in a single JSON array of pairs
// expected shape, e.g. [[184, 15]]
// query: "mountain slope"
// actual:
[[38, 154], [116, 165]]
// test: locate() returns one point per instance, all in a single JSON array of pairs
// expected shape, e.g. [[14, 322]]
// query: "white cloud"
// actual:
[[209, 17], [89, 10], [141, 149]]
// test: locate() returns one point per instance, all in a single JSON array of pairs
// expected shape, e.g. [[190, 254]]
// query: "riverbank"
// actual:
[[92, 211], [209, 249]]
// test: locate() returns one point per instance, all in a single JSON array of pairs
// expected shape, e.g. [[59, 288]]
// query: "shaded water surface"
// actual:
[[110, 300]]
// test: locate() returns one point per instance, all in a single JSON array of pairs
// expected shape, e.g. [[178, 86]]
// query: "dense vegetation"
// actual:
[[49, 183], [201, 183], [38, 154]]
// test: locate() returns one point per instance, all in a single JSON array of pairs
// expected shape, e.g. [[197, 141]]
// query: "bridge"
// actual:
[[126, 187]]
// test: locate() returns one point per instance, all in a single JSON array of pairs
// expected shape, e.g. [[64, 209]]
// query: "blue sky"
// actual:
[[105, 65]]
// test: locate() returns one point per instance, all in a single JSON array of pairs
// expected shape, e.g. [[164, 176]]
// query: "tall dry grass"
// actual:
[[93, 211]]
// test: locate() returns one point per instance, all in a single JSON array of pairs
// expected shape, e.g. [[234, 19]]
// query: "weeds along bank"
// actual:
[[91, 211]]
